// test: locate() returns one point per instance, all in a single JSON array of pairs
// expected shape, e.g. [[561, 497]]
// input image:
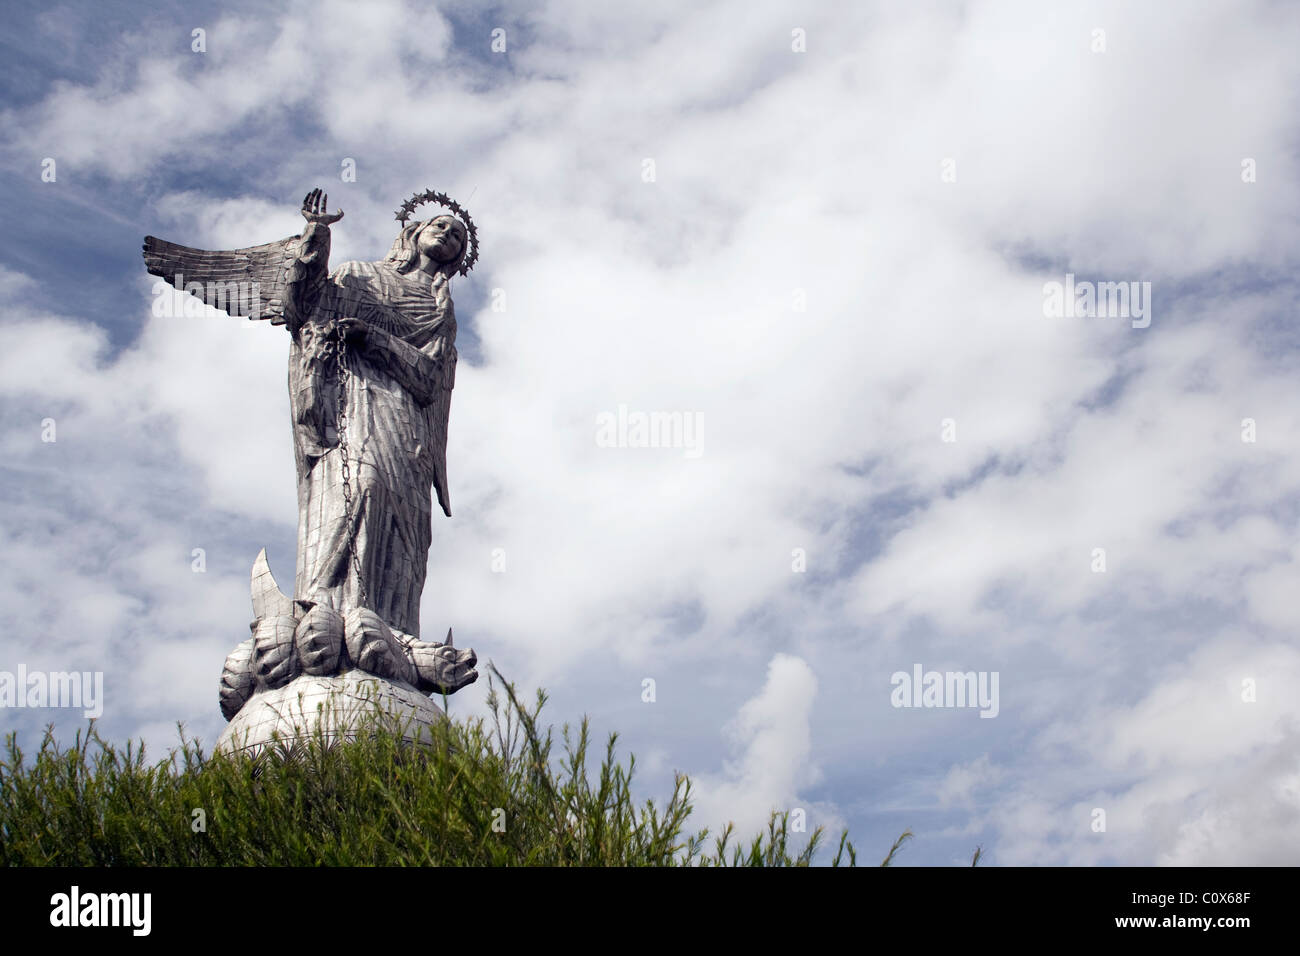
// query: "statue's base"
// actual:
[[339, 706]]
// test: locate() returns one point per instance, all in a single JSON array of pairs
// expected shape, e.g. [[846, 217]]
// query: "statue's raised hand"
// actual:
[[314, 207]]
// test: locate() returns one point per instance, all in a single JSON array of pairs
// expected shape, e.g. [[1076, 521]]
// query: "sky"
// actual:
[[827, 236]]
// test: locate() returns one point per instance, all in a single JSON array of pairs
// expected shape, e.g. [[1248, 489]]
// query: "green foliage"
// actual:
[[480, 793]]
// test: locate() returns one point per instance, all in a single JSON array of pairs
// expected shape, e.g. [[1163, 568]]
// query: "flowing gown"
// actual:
[[397, 399]]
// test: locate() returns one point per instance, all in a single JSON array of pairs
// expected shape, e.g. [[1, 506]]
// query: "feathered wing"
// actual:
[[249, 282]]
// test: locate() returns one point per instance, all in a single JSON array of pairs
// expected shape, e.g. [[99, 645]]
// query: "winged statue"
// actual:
[[372, 364]]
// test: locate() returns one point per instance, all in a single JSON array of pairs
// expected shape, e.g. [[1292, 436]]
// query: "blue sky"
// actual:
[[840, 261]]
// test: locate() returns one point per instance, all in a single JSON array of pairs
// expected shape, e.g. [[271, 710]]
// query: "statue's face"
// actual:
[[442, 239]]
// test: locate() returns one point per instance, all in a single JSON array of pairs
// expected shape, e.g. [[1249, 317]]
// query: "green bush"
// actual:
[[480, 793]]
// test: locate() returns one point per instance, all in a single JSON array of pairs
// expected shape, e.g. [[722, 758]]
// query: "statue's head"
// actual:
[[442, 245], [441, 241]]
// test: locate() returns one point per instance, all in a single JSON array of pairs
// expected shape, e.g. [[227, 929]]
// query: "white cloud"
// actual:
[[964, 780], [1194, 773], [771, 740]]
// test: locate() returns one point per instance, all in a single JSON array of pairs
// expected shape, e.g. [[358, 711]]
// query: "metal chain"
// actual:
[[341, 425]]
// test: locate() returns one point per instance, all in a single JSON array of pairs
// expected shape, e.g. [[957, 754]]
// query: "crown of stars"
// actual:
[[442, 199]]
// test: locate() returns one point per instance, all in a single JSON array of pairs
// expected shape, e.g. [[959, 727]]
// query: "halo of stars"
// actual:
[[442, 199]]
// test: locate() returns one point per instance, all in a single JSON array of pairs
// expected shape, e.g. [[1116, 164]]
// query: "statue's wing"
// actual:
[[239, 281]]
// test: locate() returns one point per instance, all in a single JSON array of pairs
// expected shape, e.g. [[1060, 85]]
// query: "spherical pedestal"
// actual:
[[339, 705]]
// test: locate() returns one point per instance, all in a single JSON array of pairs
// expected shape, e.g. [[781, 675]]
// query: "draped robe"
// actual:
[[396, 400]]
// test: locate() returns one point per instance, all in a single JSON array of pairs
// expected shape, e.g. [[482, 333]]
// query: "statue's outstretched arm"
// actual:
[[309, 270]]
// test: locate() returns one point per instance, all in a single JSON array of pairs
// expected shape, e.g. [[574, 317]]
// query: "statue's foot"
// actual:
[[442, 668], [374, 649]]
